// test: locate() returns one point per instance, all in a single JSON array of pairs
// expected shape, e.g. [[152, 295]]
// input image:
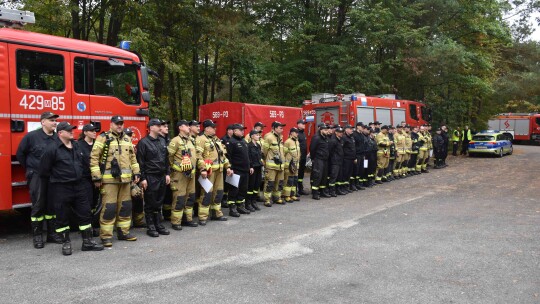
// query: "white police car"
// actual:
[[491, 142]]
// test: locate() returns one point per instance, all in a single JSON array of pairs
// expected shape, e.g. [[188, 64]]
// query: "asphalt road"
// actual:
[[469, 233]]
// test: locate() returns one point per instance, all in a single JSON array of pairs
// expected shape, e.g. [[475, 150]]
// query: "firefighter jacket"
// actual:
[[422, 141], [292, 153], [400, 141], [383, 143], [255, 155], [303, 143], [428, 140], [415, 146], [319, 148], [238, 154], [211, 154], [335, 145], [438, 143], [62, 165], [408, 142], [182, 154], [349, 147], [152, 156], [361, 143], [118, 149], [31, 148], [273, 152]]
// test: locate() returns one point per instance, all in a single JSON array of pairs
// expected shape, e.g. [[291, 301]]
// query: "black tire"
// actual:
[[501, 153], [472, 154]]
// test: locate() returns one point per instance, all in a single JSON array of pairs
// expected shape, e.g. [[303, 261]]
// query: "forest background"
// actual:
[[466, 59]]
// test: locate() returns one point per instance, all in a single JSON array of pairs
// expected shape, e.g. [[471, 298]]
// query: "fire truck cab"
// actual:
[[83, 82], [352, 108]]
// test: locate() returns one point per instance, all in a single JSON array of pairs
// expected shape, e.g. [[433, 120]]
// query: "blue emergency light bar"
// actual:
[[125, 45]]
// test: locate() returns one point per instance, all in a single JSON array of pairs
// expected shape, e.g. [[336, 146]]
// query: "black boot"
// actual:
[[300, 188], [325, 193], [151, 228], [37, 233], [247, 205], [122, 236], [352, 186], [233, 210], [52, 235], [359, 185], [315, 195], [66, 244], [88, 243], [241, 208], [160, 228], [339, 190], [254, 202]]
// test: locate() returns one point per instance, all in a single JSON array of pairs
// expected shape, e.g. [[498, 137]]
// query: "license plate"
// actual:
[[480, 147]]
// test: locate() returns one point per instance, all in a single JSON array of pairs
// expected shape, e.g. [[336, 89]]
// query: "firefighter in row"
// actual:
[[400, 151], [292, 160], [346, 179], [256, 162], [212, 162], [383, 153], [63, 165], [336, 162], [415, 149], [320, 152], [152, 157], [423, 150], [167, 201], [183, 163], [372, 155], [274, 158], [302, 141], [360, 170], [29, 154], [113, 164], [392, 159], [238, 155]]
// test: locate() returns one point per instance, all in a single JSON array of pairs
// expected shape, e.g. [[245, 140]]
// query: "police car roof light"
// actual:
[[125, 45]]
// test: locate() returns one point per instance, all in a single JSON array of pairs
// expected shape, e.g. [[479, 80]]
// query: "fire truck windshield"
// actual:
[[426, 113], [538, 121], [119, 81]]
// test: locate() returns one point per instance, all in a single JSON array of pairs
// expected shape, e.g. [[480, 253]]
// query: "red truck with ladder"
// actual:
[[352, 108], [522, 126], [83, 82]]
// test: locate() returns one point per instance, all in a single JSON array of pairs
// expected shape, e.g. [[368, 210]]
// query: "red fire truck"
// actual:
[[352, 108], [522, 126], [81, 81], [226, 112]]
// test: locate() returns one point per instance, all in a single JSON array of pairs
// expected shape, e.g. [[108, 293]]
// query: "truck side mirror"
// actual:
[[146, 96], [144, 78]]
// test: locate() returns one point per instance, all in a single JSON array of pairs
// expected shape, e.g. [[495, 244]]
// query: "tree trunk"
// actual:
[[101, 28], [115, 22], [214, 74], [158, 85], [195, 81], [205, 81], [172, 99], [75, 20], [179, 82], [231, 81]]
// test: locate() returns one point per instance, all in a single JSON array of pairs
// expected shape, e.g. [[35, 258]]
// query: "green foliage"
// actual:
[[458, 56]]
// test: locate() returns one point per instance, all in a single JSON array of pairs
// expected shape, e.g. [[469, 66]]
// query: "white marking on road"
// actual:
[[288, 249]]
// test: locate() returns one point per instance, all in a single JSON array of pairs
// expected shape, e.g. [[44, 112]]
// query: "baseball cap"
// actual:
[[348, 127], [376, 122], [64, 126], [182, 122], [154, 122], [399, 126], [48, 115], [230, 127], [339, 129], [128, 132], [301, 121], [89, 127], [164, 121], [238, 126], [253, 132], [360, 124], [384, 127], [194, 123], [322, 125], [117, 119], [209, 123], [294, 130], [276, 124], [259, 124]]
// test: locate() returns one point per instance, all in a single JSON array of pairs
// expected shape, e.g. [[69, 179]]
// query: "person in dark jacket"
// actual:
[[225, 141], [319, 151], [446, 137], [349, 160], [153, 159], [238, 155], [29, 153], [359, 171], [336, 162], [302, 140], [371, 156], [86, 142], [167, 201], [255, 163], [438, 149], [62, 163]]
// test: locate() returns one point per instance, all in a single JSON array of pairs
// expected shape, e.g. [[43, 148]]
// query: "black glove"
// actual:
[[116, 172]]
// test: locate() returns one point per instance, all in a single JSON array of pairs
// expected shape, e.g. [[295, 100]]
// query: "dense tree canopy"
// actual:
[[463, 58]]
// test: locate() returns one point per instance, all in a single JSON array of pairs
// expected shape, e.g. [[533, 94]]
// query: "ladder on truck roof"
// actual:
[[15, 18]]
